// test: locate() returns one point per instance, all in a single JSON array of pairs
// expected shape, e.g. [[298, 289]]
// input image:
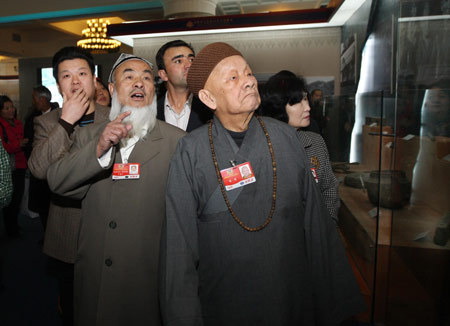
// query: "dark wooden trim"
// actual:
[[9, 77], [308, 16]]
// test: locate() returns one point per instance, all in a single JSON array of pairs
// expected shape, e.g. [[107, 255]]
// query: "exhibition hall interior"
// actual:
[[383, 70]]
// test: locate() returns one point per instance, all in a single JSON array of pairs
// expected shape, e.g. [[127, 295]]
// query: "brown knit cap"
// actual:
[[204, 63]]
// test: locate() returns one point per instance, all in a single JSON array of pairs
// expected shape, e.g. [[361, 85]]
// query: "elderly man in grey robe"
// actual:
[[119, 169], [256, 251]]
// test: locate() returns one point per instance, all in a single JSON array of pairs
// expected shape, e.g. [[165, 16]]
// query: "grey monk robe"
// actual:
[[118, 250], [213, 272]]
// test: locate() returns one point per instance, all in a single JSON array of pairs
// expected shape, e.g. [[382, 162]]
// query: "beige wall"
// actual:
[[307, 52]]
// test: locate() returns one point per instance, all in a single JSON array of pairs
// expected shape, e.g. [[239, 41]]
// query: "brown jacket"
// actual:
[[51, 141], [117, 262]]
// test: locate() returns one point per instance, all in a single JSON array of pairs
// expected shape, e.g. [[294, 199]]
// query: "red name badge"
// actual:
[[237, 176], [314, 173], [126, 171]]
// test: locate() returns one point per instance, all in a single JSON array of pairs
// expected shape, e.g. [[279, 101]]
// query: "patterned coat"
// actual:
[[319, 160], [6, 187]]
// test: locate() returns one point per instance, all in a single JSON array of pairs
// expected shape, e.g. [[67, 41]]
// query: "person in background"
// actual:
[[316, 96], [285, 98], [40, 104], [6, 190], [317, 109], [11, 132], [39, 193], [178, 106], [102, 95]]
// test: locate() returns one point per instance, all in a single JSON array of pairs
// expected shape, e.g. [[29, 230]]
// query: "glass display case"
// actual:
[[392, 158], [391, 152]]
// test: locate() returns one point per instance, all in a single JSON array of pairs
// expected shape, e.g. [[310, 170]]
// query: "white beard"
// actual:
[[143, 119]]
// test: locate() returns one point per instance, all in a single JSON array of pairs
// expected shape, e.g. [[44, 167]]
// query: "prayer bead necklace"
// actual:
[[222, 187]]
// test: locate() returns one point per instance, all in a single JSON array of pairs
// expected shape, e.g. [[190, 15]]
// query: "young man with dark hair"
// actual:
[[178, 107], [73, 69], [71, 53]]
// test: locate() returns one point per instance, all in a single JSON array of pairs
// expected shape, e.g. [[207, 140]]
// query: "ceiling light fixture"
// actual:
[[95, 39]]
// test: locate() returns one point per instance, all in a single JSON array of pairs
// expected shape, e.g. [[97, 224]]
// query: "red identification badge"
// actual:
[[126, 171], [314, 173], [237, 176]]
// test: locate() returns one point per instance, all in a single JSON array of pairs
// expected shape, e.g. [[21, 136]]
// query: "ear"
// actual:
[[207, 98], [111, 88], [95, 81], [163, 75]]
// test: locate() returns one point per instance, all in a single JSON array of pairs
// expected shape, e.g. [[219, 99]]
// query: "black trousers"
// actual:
[[63, 272], [11, 212], [39, 198]]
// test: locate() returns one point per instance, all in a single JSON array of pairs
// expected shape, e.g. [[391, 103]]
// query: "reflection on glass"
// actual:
[[435, 120], [431, 171]]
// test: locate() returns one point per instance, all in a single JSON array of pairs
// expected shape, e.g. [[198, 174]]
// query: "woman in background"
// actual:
[[102, 95], [11, 132], [284, 97]]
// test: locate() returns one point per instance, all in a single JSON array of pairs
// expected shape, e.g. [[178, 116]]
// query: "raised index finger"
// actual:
[[122, 116]]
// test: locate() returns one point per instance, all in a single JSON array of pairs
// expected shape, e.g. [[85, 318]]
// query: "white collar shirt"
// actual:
[[178, 120]]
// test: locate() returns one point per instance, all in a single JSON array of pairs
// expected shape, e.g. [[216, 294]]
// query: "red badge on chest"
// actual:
[[237, 176], [126, 171]]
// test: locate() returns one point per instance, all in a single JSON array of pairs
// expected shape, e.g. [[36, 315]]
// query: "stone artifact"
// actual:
[[395, 188]]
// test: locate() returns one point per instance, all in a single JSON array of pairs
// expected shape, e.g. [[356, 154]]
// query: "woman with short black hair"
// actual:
[[285, 98]]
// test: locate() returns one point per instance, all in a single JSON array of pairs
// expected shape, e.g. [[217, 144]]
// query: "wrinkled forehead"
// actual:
[[133, 65]]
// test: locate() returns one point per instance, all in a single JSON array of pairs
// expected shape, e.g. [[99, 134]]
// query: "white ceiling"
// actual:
[[40, 28], [227, 7]]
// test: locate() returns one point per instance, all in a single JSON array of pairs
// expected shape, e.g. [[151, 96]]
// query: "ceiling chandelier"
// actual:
[[95, 39]]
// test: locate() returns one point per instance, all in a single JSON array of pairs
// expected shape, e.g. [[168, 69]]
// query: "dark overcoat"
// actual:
[[213, 272]]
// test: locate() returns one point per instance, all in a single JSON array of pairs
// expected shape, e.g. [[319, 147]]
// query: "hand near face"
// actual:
[[113, 133], [75, 106]]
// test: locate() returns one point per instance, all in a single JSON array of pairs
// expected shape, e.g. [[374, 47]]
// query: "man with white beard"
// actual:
[[119, 170]]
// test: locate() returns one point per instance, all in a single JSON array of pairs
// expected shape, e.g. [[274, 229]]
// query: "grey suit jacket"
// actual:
[[118, 250], [51, 141]]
